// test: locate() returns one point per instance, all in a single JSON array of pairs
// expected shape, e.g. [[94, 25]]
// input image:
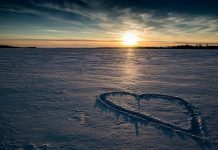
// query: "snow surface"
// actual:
[[48, 97]]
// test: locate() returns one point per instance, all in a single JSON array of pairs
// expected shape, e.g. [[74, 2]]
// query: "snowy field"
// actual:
[[49, 98]]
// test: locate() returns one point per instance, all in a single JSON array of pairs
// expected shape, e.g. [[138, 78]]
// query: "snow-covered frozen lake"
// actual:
[[48, 97]]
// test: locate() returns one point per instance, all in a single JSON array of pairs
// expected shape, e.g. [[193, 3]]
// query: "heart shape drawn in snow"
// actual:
[[197, 128]]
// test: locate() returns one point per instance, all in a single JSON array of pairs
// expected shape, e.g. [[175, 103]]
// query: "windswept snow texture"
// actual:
[[48, 98]]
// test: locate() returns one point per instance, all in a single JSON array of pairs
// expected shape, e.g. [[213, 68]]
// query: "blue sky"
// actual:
[[93, 23]]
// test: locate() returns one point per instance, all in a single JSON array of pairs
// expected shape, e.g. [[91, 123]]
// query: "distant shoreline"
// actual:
[[146, 47], [8, 46], [167, 47]]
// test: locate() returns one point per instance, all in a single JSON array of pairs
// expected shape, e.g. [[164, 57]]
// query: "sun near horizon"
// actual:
[[130, 39], [104, 23]]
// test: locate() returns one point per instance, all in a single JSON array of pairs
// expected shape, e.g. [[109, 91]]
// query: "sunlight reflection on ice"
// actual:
[[129, 68]]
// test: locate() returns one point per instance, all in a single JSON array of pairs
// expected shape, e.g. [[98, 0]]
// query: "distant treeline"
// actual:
[[151, 47], [184, 47], [169, 47], [7, 46]]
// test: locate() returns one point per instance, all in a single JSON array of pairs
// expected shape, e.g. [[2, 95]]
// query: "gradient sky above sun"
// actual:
[[106, 23]]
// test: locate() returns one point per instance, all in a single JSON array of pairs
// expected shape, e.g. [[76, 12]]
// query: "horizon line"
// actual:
[[184, 46], [98, 40]]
